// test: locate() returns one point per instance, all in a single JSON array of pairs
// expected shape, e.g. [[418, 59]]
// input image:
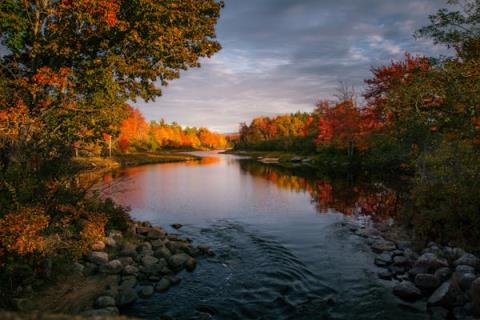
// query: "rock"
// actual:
[[115, 234], [163, 252], [46, 268], [130, 270], [128, 282], [464, 269], [156, 233], [204, 249], [144, 247], [24, 305], [407, 291], [112, 267], [162, 285], [453, 254], [98, 246], [380, 246], [155, 269], [191, 264], [464, 280], [90, 269], [427, 282], [468, 260], [146, 292], [126, 297], [475, 294], [110, 242], [179, 247], [385, 275], [149, 261], [431, 262], [397, 270], [447, 295], [104, 302], [78, 268], [157, 244], [128, 250], [417, 270], [142, 230], [174, 280], [443, 274], [383, 260], [177, 261], [176, 226], [400, 261], [98, 257], [126, 261]]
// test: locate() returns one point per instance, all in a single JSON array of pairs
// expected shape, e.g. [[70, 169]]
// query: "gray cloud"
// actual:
[[282, 56]]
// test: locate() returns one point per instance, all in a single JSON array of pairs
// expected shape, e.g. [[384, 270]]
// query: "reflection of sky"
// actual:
[[282, 55]]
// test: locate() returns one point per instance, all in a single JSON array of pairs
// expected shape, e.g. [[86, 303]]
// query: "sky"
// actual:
[[283, 56]]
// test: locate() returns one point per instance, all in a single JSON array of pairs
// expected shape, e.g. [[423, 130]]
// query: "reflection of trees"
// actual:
[[360, 197]]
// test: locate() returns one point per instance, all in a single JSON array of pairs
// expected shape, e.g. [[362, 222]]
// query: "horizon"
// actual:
[[281, 57]]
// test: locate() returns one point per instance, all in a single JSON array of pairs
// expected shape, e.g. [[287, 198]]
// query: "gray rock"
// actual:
[[112, 267], [380, 246], [110, 242], [400, 261], [431, 262], [130, 270], [24, 305], [90, 269], [146, 292], [104, 302], [174, 280], [163, 252], [154, 269], [447, 295], [126, 261], [475, 294], [176, 226], [443, 274], [78, 268], [453, 254], [128, 250], [177, 261], [464, 280], [149, 261], [126, 297], [98, 257], [129, 282], [427, 282], [383, 260], [407, 291], [468, 260], [157, 244], [204, 249], [144, 247], [385, 275], [142, 230], [464, 269], [155, 234], [162, 285]]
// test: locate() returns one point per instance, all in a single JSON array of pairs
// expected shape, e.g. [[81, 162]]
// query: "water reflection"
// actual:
[[361, 196]]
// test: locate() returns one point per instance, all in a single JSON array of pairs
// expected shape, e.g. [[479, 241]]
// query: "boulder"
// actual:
[[464, 269], [112, 267], [177, 226], [157, 244], [146, 292], [98, 257], [443, 274], [468, 259], [177, 261], [126, 297], [400, 261], [204, 249], [162, 285], [385, 275], [130, 270], [24, 305], [78, 268], [155, 234], [142, 230], [464, 279], [128, 282], [104, 302], [383, 260], [431, 262], [380, 246], [191, 264], [110, 242], [475, 294], [447, 295], [100, 313], [407, 291], [163, 252], [427, 282], [149, 261]]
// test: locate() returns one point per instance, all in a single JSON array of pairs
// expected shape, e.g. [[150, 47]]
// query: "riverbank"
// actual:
[[444, 281], [280, 158], [125, 267]]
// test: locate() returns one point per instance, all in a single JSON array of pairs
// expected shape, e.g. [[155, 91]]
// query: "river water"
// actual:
[[282, 251]]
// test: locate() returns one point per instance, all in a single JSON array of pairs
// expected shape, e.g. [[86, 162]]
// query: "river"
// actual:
[[282, 251]]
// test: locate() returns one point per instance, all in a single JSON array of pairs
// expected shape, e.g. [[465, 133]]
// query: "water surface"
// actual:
[[281, 249]]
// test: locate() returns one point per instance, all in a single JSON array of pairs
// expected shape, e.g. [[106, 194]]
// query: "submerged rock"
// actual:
[[407, 291], [146, 292], [162, 285]]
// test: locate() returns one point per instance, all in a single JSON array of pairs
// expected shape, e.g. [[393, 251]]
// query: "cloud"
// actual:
[[282, 56]]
